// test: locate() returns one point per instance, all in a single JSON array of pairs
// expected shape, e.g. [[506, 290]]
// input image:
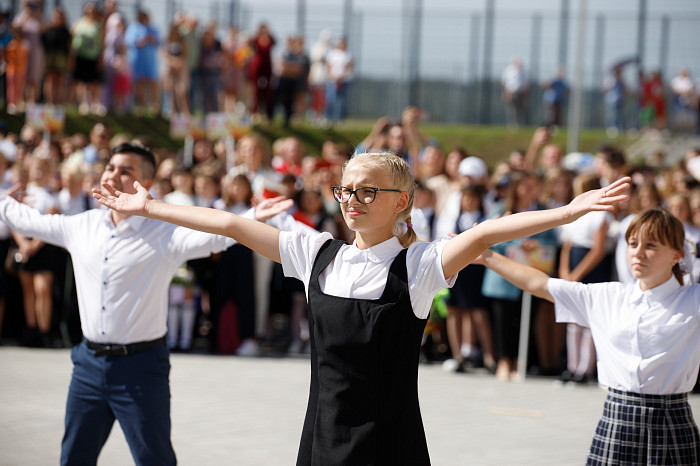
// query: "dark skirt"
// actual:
[[86, 71], [44, 260], [599, 274], [644, 430], [466, 292]]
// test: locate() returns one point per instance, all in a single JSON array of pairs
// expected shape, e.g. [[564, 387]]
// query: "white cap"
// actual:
[[473, 167], [8, 149], [693, 167], [579, 163]]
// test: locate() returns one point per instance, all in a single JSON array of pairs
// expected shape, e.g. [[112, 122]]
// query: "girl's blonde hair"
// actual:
[[400, 174], [660, 225]]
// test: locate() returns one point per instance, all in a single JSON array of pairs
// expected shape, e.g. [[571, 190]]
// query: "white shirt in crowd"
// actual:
[[338, 64], [122, 272], [581, 232], [362, 273], [646, 341]]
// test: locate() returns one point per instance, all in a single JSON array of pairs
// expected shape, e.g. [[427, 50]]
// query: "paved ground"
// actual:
[[238, 411]]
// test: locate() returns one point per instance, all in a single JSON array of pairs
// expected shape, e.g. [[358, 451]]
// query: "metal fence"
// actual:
[[447, 57]]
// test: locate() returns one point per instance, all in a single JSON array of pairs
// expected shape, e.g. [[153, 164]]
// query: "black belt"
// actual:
[[122, 350]]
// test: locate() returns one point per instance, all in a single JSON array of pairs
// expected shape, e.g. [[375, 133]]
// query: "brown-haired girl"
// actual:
[[646, 336]]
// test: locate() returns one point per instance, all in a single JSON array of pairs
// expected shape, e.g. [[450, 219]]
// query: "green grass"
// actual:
[[492, 143]]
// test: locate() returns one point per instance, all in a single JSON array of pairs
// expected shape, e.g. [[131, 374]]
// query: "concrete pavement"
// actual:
[[240, 411]]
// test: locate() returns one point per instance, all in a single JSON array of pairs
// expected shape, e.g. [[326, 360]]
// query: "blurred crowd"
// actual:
[[101, 62], [639, 104], [238, 302]]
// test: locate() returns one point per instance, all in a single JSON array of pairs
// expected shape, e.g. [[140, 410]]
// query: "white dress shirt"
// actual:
[[646, 341], [122, 272], [362, 273]]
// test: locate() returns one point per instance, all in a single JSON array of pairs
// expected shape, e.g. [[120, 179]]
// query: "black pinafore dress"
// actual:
[[363, 402]]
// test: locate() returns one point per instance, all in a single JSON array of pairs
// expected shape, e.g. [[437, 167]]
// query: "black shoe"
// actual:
[[566, 376], [580, 379]]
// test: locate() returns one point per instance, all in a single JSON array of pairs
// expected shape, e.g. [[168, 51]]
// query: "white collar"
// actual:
[[381, 252], [657, 293], [134, 222]]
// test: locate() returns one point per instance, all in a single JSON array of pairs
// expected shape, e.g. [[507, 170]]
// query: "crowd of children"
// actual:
[[240, 302]]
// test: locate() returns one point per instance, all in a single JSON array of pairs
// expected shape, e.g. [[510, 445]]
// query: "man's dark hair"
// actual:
[[148, 160]]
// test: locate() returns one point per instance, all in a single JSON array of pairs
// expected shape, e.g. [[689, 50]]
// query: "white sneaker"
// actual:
[[249, 349], [452, 365]]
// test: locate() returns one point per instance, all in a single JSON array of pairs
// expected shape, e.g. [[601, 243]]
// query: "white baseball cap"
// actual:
[[473, 167]]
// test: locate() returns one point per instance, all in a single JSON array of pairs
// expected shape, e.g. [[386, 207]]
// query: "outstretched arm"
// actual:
[[524, 277], [461, 250], [258, 236]]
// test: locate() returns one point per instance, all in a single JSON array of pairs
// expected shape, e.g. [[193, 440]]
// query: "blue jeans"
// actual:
[[335, 101], [132, 389]]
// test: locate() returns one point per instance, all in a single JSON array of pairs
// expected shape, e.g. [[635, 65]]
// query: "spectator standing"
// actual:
[[181, 293], [339, 68], [112, 55], [292, 76], [30, 21], [234, 316], [176, 76], [36, 258], [318, 77], [86, 50], [122, 83], [653, 114], [5, 38], [515, 89], [143, 41], [684, 101], [56, 40], [16, 53], [554, 98], [210, 64], [188, 29], [615, 97], [260, 72], [523, 193], [232, 74], [584, 258]]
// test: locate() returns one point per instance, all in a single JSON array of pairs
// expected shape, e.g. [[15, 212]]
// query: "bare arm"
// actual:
[[564, 263], [524, 277], [593, 257], [539, 139], [258, 236], [464, 248]]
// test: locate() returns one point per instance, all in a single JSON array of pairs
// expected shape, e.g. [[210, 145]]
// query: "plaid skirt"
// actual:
[[645, 430]]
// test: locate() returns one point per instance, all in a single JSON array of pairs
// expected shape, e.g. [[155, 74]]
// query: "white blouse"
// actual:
[[362, 273], [646, 341]]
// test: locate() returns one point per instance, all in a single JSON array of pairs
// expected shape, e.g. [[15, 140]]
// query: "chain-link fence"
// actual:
[[447, 57]]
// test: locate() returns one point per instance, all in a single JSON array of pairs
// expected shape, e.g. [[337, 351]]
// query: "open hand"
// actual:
[[601, 199], [268, 208], [132, 204]]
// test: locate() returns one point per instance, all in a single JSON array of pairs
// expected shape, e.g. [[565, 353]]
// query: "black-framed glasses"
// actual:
[[364, 195]]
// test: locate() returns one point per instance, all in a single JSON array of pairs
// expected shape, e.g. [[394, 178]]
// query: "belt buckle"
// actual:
[[112, 350], [119, 350]]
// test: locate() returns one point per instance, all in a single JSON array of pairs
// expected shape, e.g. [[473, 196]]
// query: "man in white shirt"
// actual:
[[339, 66], [123, 266], [514, 90]]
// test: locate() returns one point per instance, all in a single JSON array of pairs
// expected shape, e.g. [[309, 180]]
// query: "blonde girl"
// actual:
[[368, 301]]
